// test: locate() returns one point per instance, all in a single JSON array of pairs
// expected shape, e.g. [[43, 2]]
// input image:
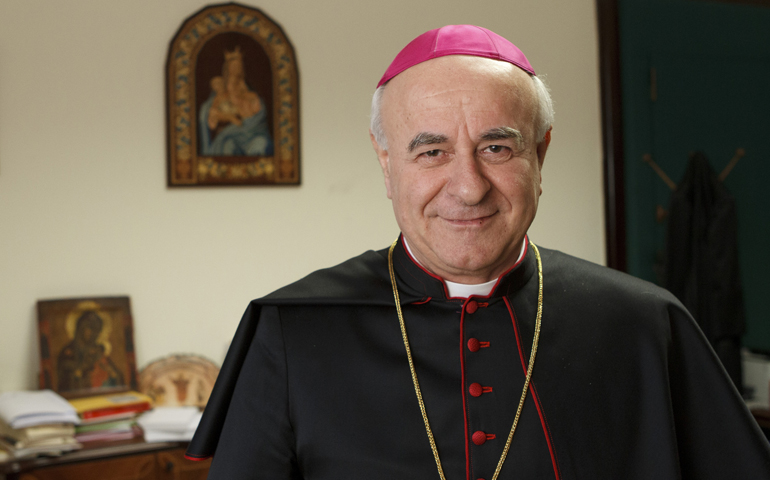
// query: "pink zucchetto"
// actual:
[[456, 40]]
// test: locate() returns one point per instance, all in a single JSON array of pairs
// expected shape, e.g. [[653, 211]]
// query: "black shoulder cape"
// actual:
[[625, 384], [362, 280]]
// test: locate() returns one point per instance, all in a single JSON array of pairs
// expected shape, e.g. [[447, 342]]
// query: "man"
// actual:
[[464, 351]]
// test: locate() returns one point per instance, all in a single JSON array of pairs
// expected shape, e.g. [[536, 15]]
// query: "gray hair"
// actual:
[[543, 122]]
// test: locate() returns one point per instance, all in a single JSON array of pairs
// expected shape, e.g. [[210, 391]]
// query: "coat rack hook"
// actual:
[[739, 153], [647, 158]]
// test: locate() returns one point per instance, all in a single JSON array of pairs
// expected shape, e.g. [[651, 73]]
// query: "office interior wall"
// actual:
[[84, 206]]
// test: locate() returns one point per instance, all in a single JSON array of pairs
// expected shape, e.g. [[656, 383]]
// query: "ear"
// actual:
[[542, 148], [384, 159]]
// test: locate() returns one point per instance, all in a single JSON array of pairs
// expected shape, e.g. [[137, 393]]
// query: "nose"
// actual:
[[467, 182]]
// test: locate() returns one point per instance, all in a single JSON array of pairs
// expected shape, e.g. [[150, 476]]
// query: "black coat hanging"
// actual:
[[702, 267]]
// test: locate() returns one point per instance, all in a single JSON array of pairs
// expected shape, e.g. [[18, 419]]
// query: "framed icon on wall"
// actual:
[[232, 101]]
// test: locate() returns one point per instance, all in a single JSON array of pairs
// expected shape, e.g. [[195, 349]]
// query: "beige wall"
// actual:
[[84, 207]]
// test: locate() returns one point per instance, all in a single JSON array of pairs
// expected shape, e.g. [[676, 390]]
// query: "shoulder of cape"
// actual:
[[361, 280], [583, 277]]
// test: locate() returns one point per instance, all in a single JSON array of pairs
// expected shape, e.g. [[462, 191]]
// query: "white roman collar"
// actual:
[[464, 290]]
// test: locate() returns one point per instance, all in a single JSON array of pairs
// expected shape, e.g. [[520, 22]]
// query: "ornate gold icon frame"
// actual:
[[214, 137]]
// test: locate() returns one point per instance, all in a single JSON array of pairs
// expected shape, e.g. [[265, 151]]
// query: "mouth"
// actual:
[[469, 222]]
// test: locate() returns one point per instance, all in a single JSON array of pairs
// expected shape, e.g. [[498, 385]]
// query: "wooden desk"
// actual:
[[125, 460]]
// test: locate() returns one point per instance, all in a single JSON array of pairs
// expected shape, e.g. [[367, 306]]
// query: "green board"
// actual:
[[696, 76]]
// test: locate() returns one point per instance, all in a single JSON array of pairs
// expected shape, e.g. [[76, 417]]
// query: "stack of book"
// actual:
[[36, 423], [110, 417]]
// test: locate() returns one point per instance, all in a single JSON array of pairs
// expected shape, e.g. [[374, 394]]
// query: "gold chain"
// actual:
[[414, 372]]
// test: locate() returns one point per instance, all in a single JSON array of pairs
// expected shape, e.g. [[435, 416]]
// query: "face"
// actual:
[[235, 68], [463, 165], [88, 328], [218, 84]]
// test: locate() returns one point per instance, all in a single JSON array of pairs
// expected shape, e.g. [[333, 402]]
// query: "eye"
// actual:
[[433, 158], [496, 148]]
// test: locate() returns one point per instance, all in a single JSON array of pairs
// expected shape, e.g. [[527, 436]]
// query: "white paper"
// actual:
[[23, 409], [168, 419], [175, 433]]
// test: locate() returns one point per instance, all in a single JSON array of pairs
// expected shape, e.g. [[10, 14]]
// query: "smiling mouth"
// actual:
[[470, 222]]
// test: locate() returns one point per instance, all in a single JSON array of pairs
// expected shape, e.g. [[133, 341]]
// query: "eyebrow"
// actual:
[[503, 133], [426, 138], [499, 133]]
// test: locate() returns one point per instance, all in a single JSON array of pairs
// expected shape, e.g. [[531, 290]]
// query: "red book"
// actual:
[[103, 412], [111, 405]]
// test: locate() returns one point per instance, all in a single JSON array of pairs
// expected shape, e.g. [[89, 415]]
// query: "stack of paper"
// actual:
[[110, 417], [36, 423], [107, 431], [170, 424], [27, 409]]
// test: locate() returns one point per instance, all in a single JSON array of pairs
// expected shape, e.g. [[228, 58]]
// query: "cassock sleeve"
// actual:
[[716, 434], [257, 440]]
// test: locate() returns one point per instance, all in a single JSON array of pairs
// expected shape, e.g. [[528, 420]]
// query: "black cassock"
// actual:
[[316, 384]]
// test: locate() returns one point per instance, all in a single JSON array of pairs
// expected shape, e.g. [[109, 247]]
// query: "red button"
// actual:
[[479, 437], [479, 479], [471, 306], [474, 345], [475, 390]]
